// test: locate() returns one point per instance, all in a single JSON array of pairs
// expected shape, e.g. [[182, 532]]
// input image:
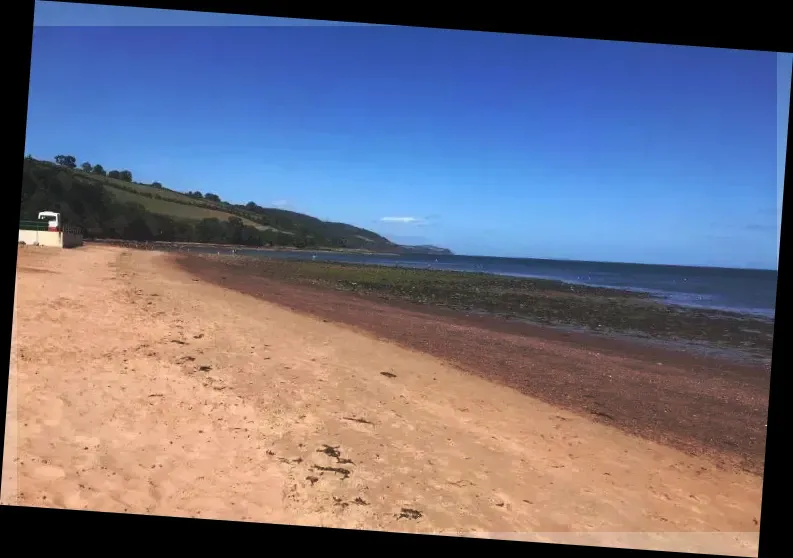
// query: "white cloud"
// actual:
[[280, 203], [406, 220]]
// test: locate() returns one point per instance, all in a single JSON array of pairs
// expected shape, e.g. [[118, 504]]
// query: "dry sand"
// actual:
[[136, 388], [696, 403]]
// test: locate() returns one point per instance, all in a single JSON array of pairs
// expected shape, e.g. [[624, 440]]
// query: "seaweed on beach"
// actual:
[[538, 301]]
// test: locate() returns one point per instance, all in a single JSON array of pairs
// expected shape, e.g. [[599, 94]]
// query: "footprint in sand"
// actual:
[[409, 513], [49, 472], [358, 420]]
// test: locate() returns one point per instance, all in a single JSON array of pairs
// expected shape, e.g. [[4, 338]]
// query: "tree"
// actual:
[[252, 206], [86, 166], [235, 228], [114, 174], [212, 197], [117, 227], [67, 161], [156, 184], [125, 175], [283, 239], [98, 169], [210, 230]]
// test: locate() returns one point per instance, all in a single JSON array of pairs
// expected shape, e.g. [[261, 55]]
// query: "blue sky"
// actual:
[[502, 145]]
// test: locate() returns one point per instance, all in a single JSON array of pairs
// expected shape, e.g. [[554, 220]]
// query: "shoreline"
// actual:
[[144, 245], [599, 311], [748, 314], [698, 403]]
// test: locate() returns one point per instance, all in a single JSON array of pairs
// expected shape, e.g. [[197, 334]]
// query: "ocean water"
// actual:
[[747, 291]]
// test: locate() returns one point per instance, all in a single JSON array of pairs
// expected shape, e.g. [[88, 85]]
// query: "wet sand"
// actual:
[[137, 386]]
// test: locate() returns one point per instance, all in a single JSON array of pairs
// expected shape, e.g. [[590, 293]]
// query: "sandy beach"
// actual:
[[139, 386]]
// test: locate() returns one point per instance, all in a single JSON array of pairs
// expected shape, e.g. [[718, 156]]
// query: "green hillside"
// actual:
[[112, 205]]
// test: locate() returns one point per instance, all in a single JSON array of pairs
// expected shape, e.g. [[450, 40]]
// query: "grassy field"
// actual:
[[171, 203], [177, 210], [164, 193], [537, 301]]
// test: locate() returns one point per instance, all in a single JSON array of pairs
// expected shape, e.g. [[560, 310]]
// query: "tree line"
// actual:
[[89, 205], [303, 230], [70, 162]]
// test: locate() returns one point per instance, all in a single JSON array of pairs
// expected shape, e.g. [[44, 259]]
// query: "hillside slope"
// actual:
[[109, 207]]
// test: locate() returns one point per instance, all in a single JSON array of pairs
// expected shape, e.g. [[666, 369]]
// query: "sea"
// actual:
[[751, 292]]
